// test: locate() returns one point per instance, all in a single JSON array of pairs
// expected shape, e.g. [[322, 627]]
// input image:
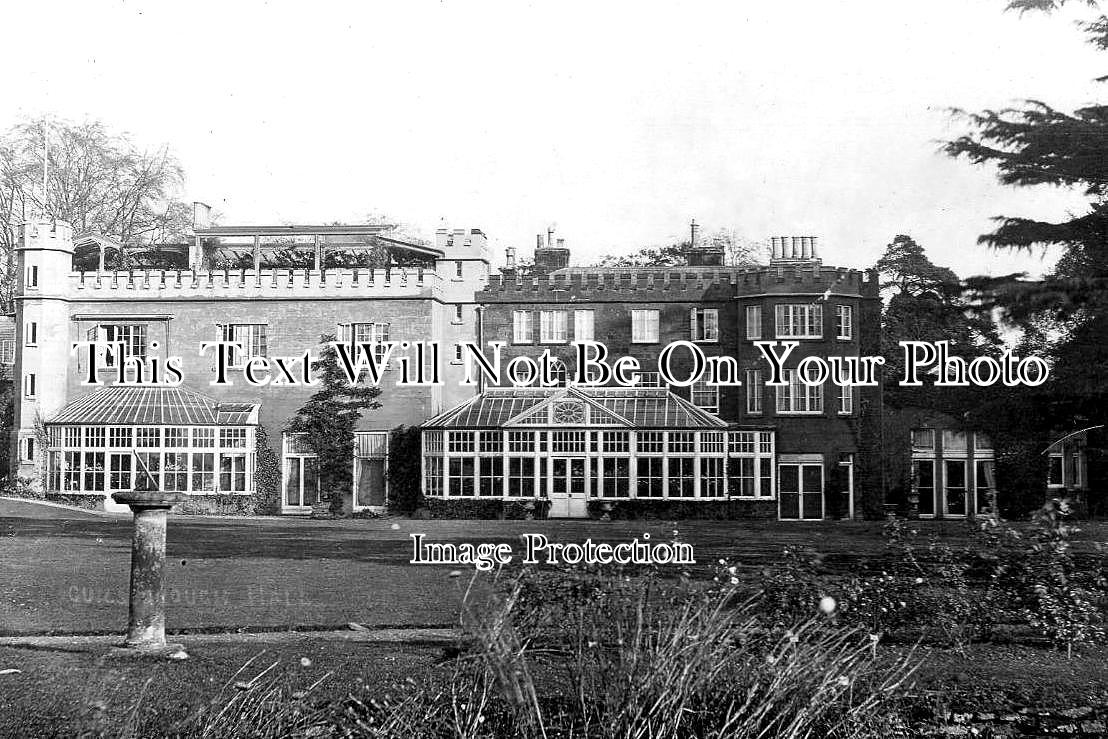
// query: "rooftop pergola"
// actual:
[[316, 239], [253, 244]]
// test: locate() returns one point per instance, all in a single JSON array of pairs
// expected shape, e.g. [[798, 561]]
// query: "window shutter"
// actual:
[[344, 333]]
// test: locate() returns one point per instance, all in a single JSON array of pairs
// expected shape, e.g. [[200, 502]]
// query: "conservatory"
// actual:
[[168, 438], [573, 445]]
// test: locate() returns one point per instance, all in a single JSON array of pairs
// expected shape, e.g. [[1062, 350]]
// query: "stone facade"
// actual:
[[432, 301]]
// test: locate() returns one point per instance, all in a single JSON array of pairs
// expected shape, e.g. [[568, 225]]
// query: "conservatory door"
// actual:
[[567, 488]]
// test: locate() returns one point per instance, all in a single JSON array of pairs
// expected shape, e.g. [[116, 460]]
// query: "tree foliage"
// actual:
[[1064, 315], [906, 268], [737, 252], [673, 255], [328, 421], [98, 181], [927, 304]]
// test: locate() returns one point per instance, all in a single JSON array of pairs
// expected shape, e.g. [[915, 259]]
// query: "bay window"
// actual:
[[799, 321], [796, 397]]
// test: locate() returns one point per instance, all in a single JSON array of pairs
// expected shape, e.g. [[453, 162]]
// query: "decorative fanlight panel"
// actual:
[[568, 413]]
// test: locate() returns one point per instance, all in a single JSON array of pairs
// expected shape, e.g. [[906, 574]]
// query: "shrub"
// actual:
[[637, 657], [1060, 600], [487, 508], [405, 456], [669, 509], [22, 486]]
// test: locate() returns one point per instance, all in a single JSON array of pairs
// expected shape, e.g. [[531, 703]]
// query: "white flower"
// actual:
[[919, 581], [732, 569], [723, 561], [734, 581], [305, 662], [827, 604], [395, 527], [844, 680]]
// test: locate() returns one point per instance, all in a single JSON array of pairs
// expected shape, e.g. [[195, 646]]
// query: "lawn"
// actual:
[[63, 692], [65, 572]]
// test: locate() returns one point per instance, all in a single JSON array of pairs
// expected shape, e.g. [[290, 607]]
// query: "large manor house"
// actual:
[[792, 451]]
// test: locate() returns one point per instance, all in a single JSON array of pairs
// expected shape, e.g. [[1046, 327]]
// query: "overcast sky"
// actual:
[[619, 122]]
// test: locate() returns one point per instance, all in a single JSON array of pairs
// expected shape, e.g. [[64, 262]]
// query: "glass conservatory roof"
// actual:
[[154, 406], [600, 406]]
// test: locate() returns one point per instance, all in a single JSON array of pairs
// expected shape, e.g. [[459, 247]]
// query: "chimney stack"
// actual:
[[551, 256], [793, 249], [510, 257], [694, 229], [201, 215]]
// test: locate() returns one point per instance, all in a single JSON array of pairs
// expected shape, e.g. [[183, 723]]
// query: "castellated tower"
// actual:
[[44, 259]]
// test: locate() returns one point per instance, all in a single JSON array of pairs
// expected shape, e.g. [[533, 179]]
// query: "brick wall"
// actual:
[[613, 293]]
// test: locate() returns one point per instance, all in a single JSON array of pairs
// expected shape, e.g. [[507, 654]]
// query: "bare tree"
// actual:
[[97, 180]]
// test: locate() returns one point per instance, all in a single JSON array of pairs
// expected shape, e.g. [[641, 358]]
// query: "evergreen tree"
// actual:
[[926, 302], [1039, 145], [1064, 315], [328, 421]]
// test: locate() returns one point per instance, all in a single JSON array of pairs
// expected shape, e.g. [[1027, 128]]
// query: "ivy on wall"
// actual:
[[267, 475]]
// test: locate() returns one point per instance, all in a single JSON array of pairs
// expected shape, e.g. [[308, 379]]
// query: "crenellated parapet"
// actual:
[[244, 283], [669, 283]]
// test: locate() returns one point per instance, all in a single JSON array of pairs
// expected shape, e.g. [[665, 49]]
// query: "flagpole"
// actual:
[[45, 167]]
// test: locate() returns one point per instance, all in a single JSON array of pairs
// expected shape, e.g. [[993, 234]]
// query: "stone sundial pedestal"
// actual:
[[146, 622]]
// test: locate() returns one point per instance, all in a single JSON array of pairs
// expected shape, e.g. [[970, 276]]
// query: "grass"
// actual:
[[66, 572], [62, 693]]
